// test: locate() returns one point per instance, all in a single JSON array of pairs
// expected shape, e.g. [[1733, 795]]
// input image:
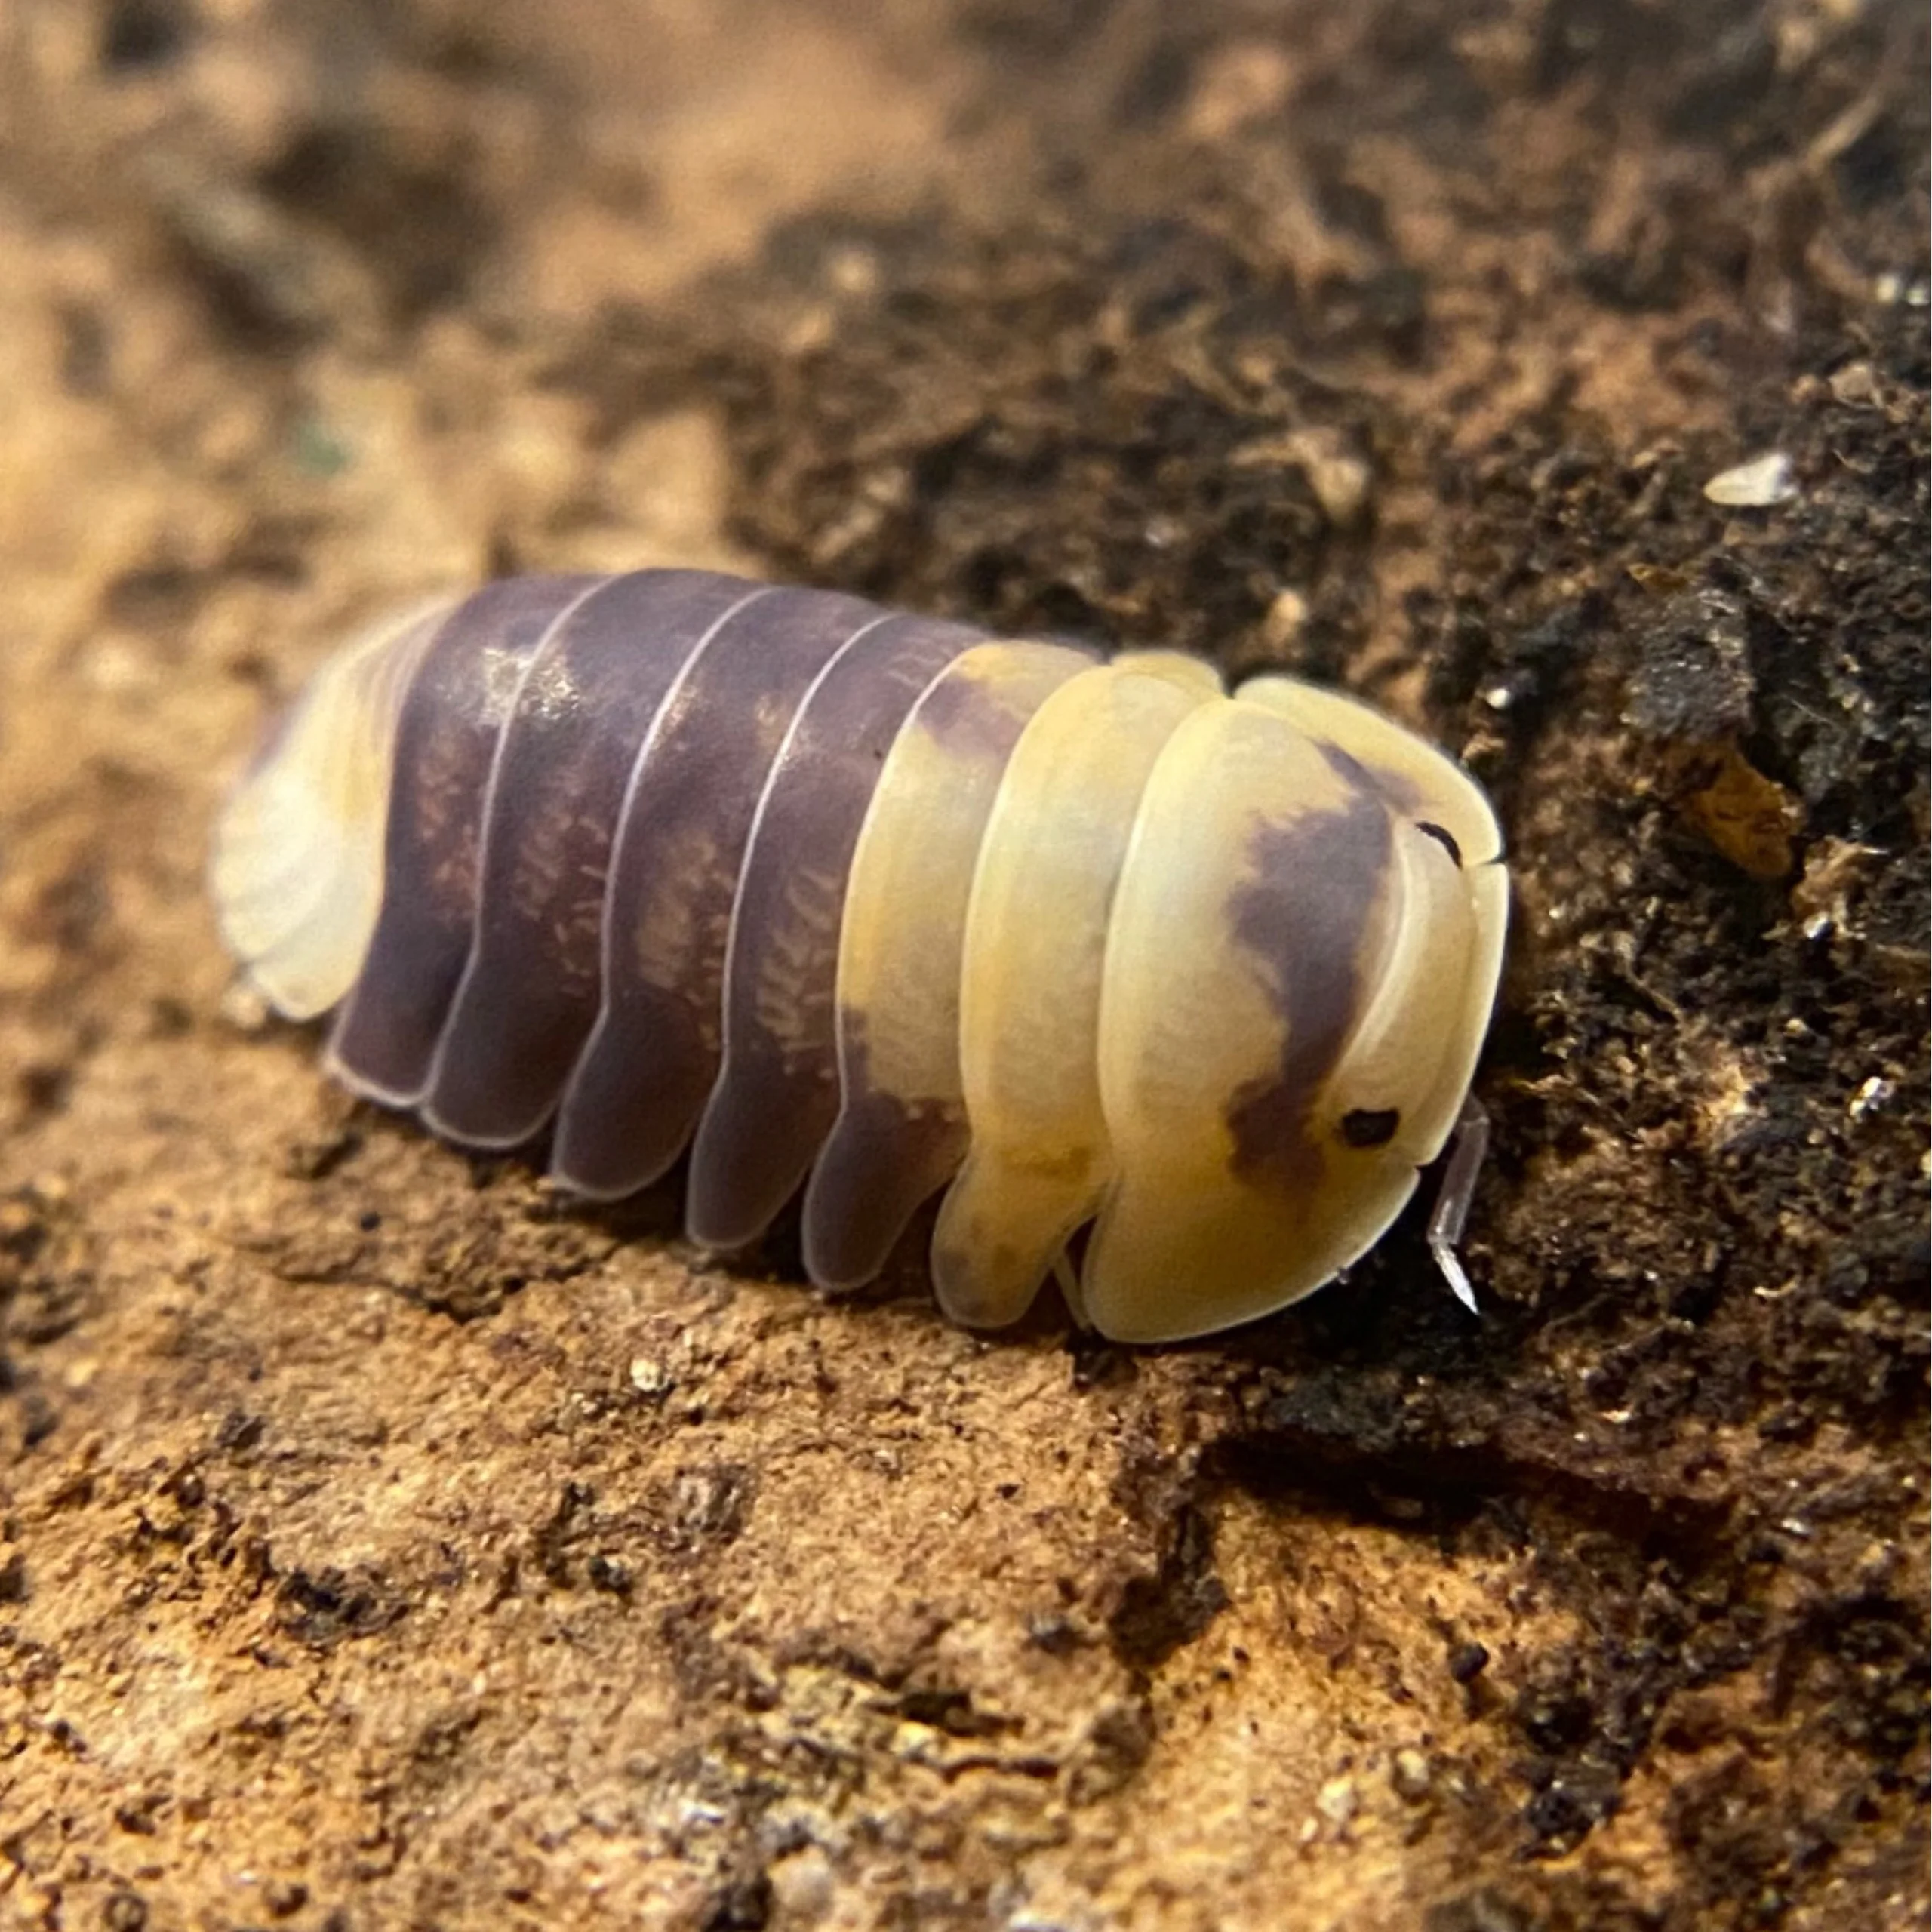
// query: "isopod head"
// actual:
[[1273, 1087]]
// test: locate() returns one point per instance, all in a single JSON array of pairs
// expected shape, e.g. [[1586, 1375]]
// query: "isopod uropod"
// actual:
[[873, 902]]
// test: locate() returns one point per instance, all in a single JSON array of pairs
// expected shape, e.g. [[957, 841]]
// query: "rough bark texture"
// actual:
[[384, 1544]]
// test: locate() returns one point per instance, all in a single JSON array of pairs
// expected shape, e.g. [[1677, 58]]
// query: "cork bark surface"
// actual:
[[384, 1543]]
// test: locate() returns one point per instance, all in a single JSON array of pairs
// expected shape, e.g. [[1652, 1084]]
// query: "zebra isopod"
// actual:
[[1188, 984]]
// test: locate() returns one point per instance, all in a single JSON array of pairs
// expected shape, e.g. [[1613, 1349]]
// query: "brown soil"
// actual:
[[383, 1544]]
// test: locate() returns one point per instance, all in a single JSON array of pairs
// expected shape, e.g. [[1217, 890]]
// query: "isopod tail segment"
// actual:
[[870, 903]]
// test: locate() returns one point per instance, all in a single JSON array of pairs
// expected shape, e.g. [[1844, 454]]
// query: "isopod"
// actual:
[[1188, 984]]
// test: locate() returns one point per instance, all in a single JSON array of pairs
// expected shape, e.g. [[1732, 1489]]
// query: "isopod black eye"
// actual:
[[1443, 838], [1370, 1126]]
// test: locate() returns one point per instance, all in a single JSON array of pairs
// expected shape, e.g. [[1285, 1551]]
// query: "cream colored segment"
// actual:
[[316, 962], [325, 937], [1043, 890], [1445, 794], [261, 841], [1184, 1245], [1029, 1000], [273, 855], [297, 866], [905, 925]]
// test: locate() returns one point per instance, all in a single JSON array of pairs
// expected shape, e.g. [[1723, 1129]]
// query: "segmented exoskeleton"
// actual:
[[838, 896]]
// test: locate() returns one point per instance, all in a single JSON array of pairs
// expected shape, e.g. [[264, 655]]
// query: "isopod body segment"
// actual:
[[1189, 983]]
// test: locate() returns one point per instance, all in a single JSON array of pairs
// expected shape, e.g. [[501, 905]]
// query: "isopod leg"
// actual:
[[1467, 1147]]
